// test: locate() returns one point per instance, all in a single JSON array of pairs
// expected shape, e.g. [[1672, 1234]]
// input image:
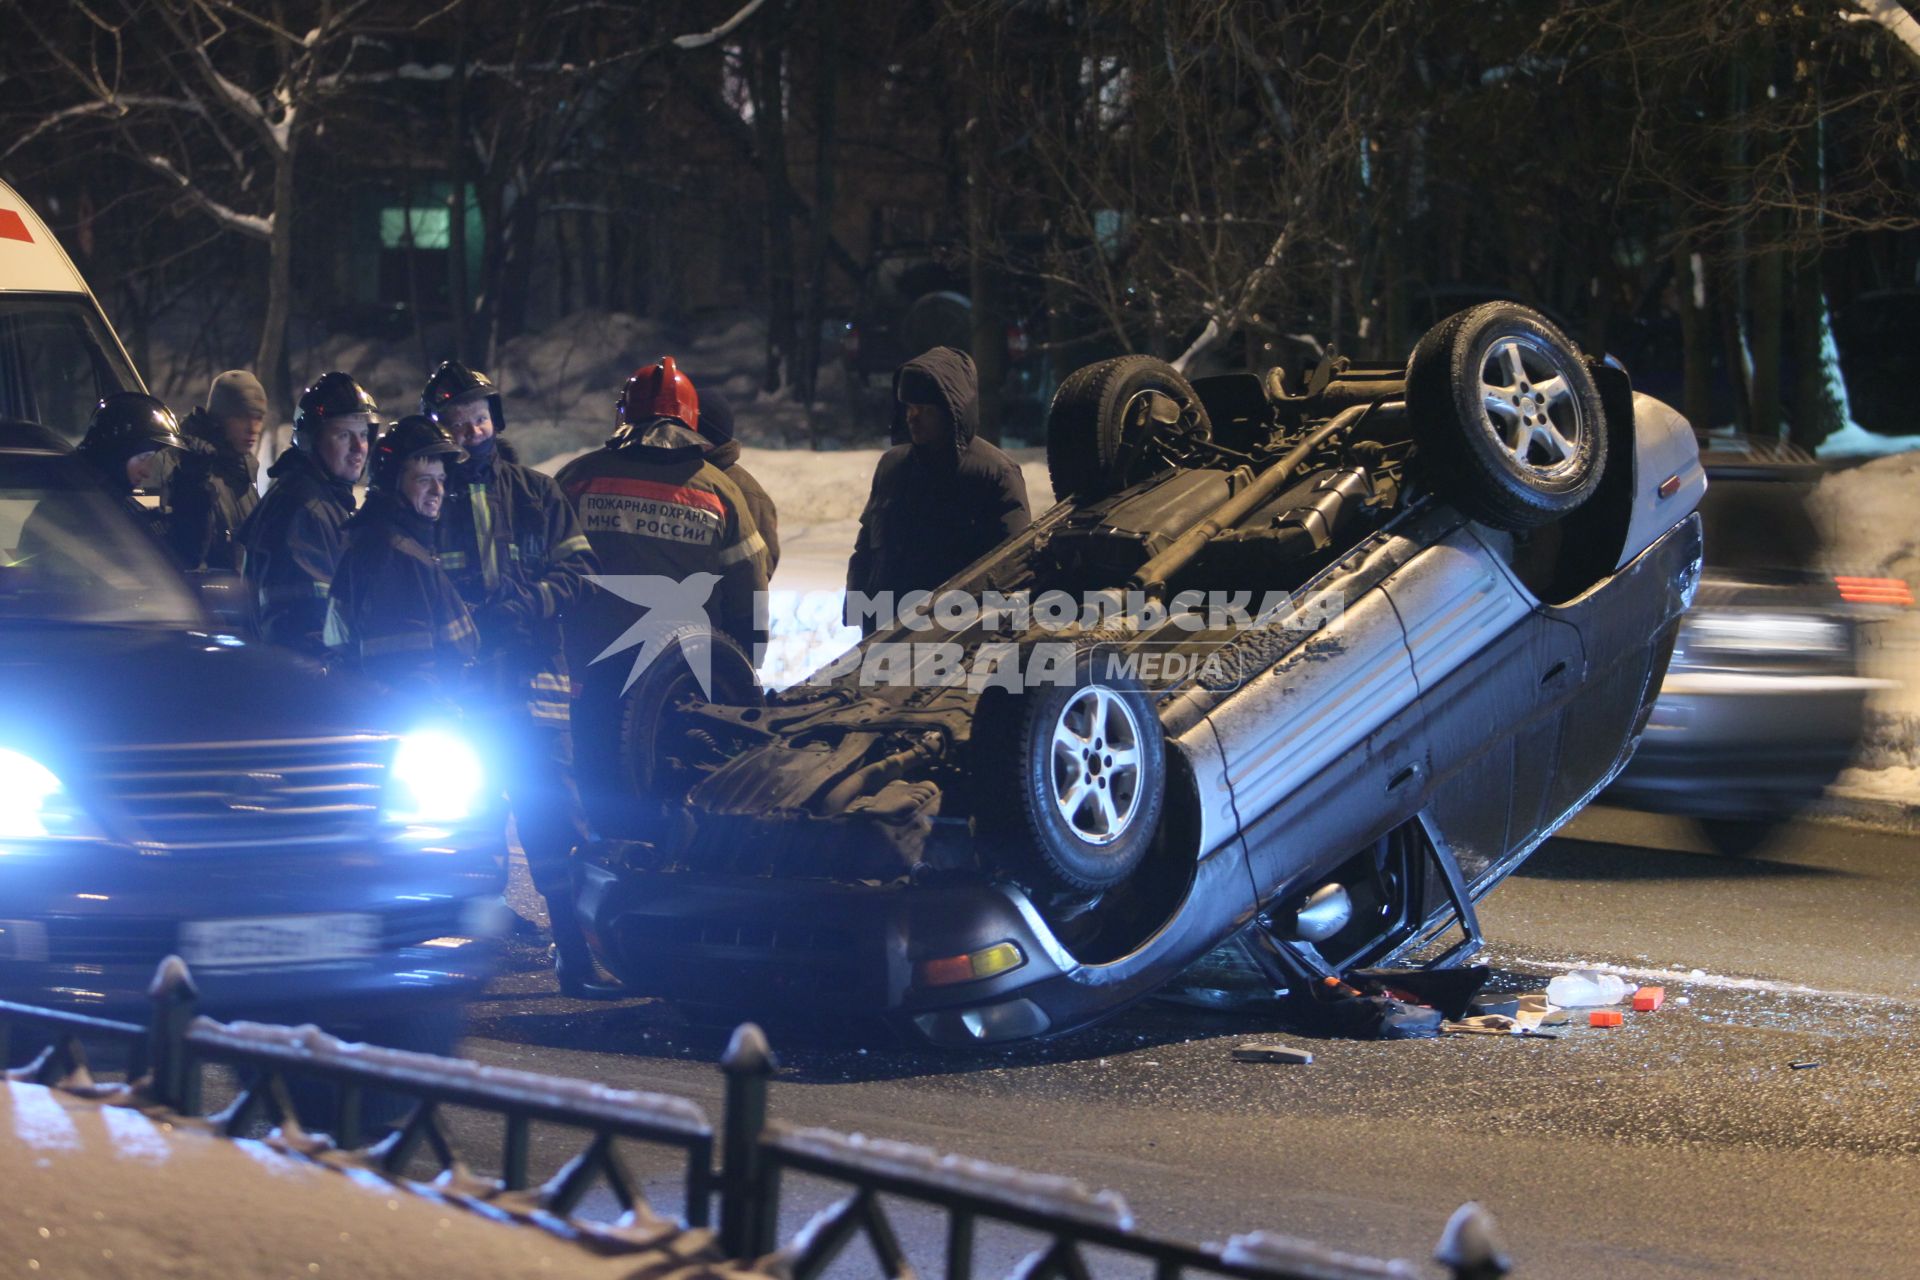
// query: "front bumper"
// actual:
[[1728, 744], [85, 927], [813, 948]]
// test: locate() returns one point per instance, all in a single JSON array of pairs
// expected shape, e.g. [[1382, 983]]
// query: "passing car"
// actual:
[[314, 851], [1461, 578], [1765, 699]]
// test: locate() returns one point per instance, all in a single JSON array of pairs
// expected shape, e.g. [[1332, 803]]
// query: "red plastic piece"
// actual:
[[1647, 999], [1605, 1018]]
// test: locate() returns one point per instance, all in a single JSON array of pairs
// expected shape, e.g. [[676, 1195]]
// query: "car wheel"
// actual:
[[1089, 768], [1507, 416], [1737, 837], [1104, 416], [658, 747]]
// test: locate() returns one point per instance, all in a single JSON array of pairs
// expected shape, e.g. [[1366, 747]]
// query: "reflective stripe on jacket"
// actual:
[[393, 615], [294, 540]]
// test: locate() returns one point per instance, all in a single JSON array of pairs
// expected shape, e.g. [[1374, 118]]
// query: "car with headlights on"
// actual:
[[316, 851], [1765, 698]]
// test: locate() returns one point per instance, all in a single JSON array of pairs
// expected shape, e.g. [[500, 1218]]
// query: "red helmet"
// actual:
[[658, 391]]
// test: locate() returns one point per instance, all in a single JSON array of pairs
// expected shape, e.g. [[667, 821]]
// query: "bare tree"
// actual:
[[217, 98]]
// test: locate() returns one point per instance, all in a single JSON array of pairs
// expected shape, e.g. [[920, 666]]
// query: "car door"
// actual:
[[1494, 674], [1321, 748]]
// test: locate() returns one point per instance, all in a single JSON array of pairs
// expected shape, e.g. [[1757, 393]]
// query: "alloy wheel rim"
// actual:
[[1530, 406], [1095, 766]]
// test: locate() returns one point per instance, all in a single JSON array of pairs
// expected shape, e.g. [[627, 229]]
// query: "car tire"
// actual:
[[1506, 415], [1738, 837], [1087, 762], [1102, 417]]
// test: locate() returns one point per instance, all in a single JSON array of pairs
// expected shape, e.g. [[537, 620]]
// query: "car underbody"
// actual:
[[1278, 662]]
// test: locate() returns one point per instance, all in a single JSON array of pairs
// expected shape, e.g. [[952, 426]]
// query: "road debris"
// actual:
[[1269, 1051], [1605, 1018], [1801, 1066], [1588, 989], [1647, 999]]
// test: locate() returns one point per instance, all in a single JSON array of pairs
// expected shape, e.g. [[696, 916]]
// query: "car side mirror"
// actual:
[[228, 599]]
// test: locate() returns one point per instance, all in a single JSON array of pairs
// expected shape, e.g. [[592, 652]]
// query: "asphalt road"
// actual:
[[1683, 1143]]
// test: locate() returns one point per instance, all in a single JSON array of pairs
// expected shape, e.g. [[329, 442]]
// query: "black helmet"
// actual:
[[454, 383], [333, 395], [414, 436], [125, 425]]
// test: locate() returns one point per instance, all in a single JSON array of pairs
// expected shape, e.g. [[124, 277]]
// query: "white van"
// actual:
[[58, 354]]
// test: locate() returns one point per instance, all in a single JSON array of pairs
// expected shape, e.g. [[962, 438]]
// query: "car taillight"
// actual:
[[850, 341], [1002, 957], [1019, 345], [1882, 591]]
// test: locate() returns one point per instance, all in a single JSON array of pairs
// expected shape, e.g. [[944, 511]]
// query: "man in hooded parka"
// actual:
[[940, 501]]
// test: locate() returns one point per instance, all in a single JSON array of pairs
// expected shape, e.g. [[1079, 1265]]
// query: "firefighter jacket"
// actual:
[[392, 614], [657, 507], [210, 493], [511, 544], [293, 542], [726, 456]]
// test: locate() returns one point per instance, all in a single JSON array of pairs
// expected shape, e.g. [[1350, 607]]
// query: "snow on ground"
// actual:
[[103, 1190]]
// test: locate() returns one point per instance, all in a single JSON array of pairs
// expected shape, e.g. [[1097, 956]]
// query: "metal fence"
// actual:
[[166, 1062]]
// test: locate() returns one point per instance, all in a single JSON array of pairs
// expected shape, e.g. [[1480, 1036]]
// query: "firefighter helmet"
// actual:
[[657, 391], [332, 396], [125, 425], [454, 383], [414, 436]]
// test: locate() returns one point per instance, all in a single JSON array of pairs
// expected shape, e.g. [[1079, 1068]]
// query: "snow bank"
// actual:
[[95, 1190]]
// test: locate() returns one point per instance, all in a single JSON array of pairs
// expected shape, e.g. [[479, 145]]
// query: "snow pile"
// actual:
[[1871, 516], [95, 1190]]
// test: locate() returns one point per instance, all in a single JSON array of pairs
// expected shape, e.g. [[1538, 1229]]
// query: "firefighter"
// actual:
[[392, 614], [512, 545], [653, 505], [212, 489], [128, 442], [938, 502], [294, 538], [127, 439], [716, 428]]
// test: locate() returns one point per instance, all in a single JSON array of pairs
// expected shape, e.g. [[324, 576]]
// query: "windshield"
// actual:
[[57, 360], [71, 553]]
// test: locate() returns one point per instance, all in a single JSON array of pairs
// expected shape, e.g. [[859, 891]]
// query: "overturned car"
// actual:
[[1317, 666]]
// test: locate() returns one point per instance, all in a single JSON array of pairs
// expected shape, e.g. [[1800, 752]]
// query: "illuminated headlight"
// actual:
[[1740, 632], [437, 778], [35, 804]]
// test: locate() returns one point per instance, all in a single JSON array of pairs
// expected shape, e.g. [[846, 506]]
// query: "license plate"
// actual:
[[278, 940]]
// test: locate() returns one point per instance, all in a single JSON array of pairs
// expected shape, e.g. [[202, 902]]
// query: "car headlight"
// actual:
[[1733, 631], [35, 804], [437, 777]]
